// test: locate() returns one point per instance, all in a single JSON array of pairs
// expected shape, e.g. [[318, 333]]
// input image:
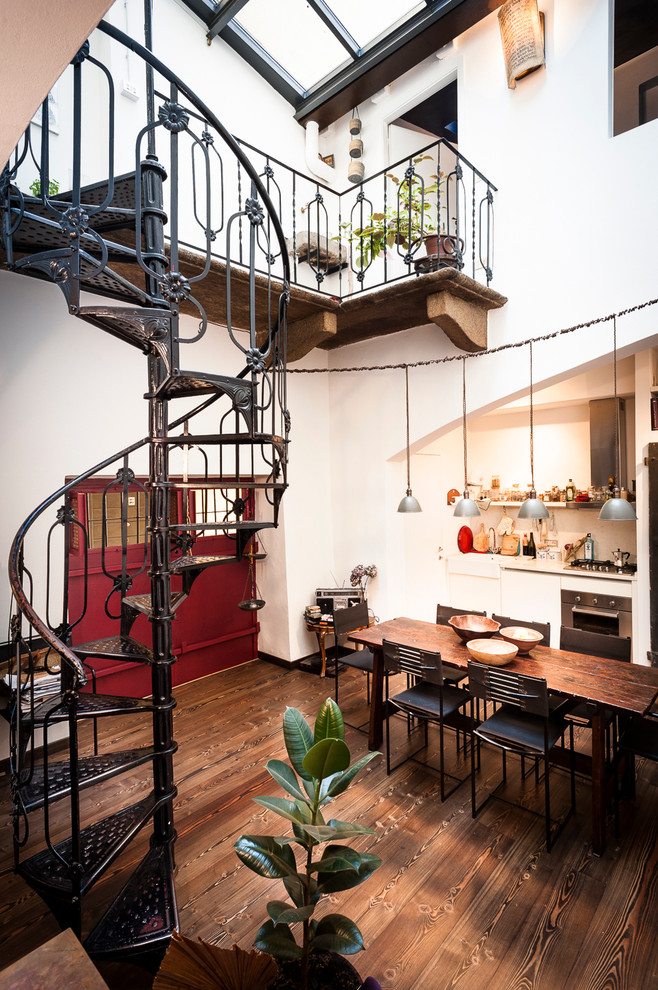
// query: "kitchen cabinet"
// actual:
[[533, 596], [474, 581]]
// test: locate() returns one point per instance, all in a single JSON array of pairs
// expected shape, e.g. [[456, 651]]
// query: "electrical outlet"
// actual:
[[129, 90]]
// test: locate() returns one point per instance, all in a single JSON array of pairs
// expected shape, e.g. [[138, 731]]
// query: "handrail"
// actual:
[[160, 67], [24, 605]]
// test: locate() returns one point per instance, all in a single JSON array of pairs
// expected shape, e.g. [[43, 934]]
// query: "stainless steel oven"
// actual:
[[600, 613]]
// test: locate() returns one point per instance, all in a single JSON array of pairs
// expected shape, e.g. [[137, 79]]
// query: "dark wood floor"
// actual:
[[456, 903]]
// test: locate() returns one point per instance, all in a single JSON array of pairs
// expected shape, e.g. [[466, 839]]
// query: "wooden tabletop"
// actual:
[[623, 686]]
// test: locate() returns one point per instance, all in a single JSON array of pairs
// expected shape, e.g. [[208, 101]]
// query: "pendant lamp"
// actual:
[[533, 507], [465, 506], [617, 509], [408, 503]]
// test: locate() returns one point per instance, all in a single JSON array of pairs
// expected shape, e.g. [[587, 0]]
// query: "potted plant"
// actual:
[[319, 771], [412, 218]]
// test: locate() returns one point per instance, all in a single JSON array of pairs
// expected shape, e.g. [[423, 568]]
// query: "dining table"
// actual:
[[605, 685]]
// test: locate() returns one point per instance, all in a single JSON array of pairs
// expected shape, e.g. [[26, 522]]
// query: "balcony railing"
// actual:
[[431, 210]]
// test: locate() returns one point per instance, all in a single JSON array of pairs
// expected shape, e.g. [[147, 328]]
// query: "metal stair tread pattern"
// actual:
[[89, 706], [116, 647], [100, 843], [143, 604], [144, 911], [91, 770]]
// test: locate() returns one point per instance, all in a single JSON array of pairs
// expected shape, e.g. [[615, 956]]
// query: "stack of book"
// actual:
[[312, 613]]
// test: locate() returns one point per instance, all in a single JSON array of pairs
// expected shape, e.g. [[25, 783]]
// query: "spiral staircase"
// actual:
[[120, 237]]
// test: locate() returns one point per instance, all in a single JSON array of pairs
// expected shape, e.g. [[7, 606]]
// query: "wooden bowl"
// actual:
[[521, 636], [491, 651], [473, 626]]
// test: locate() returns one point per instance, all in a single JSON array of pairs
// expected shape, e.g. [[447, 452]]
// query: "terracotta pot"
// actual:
[[441, 249]]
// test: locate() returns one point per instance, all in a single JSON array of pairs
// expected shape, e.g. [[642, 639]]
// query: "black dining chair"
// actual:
[[542, 627], [427, 699], [446, 612], [640, 738], [346, 620], [612, 648], [528, 723]]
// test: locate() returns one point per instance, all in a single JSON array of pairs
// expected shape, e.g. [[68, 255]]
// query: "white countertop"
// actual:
[[489, 563]]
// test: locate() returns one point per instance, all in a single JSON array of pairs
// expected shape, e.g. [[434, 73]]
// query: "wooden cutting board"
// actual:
[[481, 540], [510, 545]]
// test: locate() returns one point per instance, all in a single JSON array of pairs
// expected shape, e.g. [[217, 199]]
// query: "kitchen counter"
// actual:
[[489, 564]]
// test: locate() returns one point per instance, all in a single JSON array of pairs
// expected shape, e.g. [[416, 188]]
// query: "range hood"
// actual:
[[603, 454]]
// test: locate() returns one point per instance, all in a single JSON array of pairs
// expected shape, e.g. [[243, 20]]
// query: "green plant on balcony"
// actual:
[[53, 187], [412, 217]]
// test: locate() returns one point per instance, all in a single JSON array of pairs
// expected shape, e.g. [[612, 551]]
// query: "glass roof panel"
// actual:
[[295, 36], [368, 19]]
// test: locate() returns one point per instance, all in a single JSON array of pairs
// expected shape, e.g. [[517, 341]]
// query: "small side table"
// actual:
[[322, 630]]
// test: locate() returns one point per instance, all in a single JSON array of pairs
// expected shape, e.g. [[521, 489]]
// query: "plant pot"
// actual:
[[325, 969], [441, 249]]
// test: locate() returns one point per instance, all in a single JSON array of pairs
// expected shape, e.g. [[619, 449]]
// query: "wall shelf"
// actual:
[[549, 505]]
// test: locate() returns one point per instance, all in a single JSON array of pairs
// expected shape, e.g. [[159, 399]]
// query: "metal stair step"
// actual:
[[143, 604], [186, 384], [142, 918], [123, 196], [242, 439], [248, 525], [100, 843], [91, 770], [54, 266], [132, 325], [115, 648], [89, 706], [201, 562]]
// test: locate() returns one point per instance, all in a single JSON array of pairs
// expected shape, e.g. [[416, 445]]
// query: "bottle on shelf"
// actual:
[[524, 545], [570, 491], [531, 549]]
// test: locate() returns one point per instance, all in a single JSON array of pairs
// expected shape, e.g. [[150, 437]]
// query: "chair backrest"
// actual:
[[543, 627], [595, 644], [445, 612], [348, 619], [423, 664], [510, 688]]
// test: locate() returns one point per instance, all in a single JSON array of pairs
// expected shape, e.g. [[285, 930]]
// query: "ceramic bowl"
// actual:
[[473, 626], [491, 651], [521, 637]]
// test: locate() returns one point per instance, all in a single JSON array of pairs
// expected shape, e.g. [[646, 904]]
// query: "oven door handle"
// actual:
[[582, 610]]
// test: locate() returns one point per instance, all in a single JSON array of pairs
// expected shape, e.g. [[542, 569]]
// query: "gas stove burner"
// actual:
[[604, 566]]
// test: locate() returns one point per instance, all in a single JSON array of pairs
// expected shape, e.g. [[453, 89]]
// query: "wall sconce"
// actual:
[[522, 34]]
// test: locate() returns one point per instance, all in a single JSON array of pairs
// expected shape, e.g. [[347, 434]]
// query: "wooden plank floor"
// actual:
[[457, 902]]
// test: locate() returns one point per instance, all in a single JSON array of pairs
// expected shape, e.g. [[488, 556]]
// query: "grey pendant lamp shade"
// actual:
[[465, 506], [533, 507], [617, 509], [408, 503]]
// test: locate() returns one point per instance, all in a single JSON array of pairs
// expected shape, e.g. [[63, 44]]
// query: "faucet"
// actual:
[[492, 547]]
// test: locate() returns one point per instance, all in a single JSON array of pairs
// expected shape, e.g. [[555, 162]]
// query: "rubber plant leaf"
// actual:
[[287, 809], [327, 757], [343, 781], [278, 940], [282, 914], [298, 738], [329, 722], [330, 883], [265, 856], [285, 776], [336, 933]]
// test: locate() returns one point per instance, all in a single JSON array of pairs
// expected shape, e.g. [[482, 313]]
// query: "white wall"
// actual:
[[567, 249]]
